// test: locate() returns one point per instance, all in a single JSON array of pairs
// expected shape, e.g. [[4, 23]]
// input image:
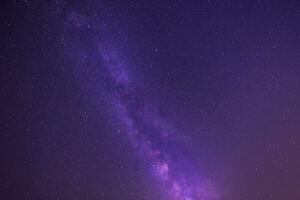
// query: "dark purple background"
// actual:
[[225, 73]]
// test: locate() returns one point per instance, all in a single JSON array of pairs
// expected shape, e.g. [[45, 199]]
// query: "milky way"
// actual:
[[134, 114], [140, 120]]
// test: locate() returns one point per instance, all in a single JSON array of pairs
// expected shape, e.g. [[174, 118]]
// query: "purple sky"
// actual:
[[150, 100]]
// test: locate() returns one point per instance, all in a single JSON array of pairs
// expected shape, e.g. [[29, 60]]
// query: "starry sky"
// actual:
[[150, 100]]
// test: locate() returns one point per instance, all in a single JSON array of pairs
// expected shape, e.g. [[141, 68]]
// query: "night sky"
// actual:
[[150, 100]]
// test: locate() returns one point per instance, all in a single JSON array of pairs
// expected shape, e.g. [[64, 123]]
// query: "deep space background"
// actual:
[[212, 86]]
